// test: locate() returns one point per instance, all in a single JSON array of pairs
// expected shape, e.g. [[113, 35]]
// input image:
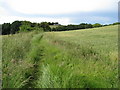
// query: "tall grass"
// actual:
[[73, 59], [16, 65], [80, 61]]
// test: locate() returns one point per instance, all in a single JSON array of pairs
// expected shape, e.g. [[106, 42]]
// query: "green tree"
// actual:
[[25, 26], [82, 26], [15, 27], [6, 27], [116, 23], [97, 25], [89, 26], [45, 26]]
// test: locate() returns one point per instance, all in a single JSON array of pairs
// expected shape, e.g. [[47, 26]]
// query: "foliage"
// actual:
[[116, 23], [53, 23], [45, 26], [6, 28], [72, 27], [89, 26], [25, 26], [15, 27], [97, 25]]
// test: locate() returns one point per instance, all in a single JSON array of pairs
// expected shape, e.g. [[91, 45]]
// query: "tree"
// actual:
[[56, 23], [82, 26], [45, 26], [6, 27], [97, 25], [34, 24], [15, 27], [89, 26], [116, 23], [25, 26]]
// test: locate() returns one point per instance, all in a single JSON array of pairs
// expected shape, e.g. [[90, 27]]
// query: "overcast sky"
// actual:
[[62, 11]]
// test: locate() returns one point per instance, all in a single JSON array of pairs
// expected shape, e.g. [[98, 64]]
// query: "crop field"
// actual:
[[69, 59]]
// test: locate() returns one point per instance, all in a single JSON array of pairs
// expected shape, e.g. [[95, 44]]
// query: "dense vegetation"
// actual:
[[24, 26], [20, 54], [74, 59]]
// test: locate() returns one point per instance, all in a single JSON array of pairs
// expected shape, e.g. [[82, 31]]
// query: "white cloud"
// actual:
[[60, 6], [10, 19], [10, 9]]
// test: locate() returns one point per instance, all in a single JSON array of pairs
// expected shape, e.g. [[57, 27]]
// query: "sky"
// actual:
[[63, 11]]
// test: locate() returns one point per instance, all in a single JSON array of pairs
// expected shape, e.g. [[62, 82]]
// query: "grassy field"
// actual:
[[70, 59]]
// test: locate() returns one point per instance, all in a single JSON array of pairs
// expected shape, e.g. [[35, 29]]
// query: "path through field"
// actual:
[[71, 59]]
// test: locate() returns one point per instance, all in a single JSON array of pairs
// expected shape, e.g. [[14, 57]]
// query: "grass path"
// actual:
[[36, 57]]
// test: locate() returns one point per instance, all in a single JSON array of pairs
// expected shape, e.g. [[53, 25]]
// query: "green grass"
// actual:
[[17, 55], [70, 59], [80, 59]]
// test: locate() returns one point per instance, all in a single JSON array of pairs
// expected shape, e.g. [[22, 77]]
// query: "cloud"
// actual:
[[62, 11], [60, 6], [3, 11]]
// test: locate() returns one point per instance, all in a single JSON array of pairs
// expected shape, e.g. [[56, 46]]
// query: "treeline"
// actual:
[[75, 27], [53, 23], [25, 26], [80, 26]]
